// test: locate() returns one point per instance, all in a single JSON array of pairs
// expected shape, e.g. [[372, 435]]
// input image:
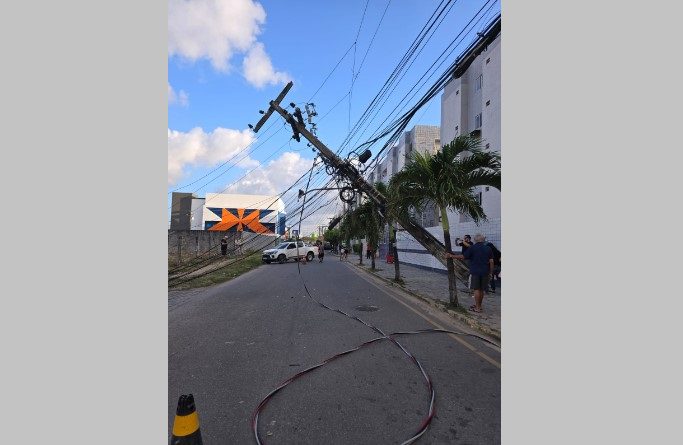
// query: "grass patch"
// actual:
[[189, 263], [223, 274]]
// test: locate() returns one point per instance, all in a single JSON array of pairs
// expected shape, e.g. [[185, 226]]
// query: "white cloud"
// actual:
[[274, 177], [211, 29], [216, 30], [319, 218], [206, 149], [180, 98], [258, 69]]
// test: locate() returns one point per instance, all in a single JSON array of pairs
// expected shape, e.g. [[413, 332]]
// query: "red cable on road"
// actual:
[[430, 414]]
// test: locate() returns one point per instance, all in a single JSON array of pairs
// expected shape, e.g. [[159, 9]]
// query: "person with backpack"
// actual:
[[495, 276]]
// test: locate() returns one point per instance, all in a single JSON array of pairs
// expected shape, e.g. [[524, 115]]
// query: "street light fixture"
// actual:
[[302, 193], [346, 193]]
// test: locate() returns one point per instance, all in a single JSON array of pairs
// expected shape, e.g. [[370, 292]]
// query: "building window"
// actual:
[[478, 83], [477, 121], [457, 92], [487, 145], [488, 102], [488, 60]]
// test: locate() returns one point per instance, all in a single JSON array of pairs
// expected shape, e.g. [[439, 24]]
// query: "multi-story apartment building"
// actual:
[[422, 139], [470, 104]]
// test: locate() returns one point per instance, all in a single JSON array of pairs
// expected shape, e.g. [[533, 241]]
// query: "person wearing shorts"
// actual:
[[480, 261]]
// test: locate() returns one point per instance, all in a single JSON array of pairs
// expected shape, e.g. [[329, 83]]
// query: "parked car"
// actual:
[[287, 251]]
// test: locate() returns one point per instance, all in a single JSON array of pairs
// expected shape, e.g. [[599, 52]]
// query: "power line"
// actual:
[[429, 32], [331, 72], [443, 55], [399, 67], [353, 69], [228, 160], [399, 125]]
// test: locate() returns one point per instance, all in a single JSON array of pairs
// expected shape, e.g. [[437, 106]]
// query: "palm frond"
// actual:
[[446, 178]]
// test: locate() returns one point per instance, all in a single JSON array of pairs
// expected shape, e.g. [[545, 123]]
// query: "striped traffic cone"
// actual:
[[186, 423]]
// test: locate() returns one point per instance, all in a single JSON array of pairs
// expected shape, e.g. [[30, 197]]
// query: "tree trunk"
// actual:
[[372, 262], [452, 285], [394, 252], [433, 246], [360, 252]]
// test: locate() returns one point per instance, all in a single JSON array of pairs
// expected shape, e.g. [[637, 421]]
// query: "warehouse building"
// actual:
[[225, 212]]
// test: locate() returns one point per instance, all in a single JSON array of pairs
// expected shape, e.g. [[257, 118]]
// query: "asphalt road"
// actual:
[[231, 344]]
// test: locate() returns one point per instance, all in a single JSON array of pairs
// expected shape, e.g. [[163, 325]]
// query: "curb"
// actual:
[[470, 321]]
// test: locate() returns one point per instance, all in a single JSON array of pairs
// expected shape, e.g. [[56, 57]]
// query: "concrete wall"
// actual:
[[195, 242]]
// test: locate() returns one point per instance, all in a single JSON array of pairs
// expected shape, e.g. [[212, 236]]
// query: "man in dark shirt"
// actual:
[[479, 257], [224, 245], [465, 244]]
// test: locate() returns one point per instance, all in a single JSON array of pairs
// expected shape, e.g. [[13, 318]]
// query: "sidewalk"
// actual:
[[433, 287]]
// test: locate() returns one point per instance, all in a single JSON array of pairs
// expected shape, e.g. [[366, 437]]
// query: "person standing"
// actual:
[[465, 243], [480, 261], [321, 251], [495, 276], [224, 245]]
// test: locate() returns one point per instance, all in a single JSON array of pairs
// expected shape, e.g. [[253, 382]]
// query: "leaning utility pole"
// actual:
[[347, 170]]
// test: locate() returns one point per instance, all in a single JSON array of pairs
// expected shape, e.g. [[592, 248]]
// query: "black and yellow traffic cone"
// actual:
[[186, 423]]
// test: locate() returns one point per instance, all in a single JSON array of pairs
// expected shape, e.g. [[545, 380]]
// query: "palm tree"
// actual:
[[372, 219], [447, 178], [350, 227], [393, 211]]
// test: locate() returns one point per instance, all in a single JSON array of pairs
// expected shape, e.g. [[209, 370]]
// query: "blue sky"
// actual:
[[228, 58]]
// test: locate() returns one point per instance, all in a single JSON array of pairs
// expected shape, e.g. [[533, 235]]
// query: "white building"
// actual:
[[470, 104], [422, 139], [244, 213], [263, 214]]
